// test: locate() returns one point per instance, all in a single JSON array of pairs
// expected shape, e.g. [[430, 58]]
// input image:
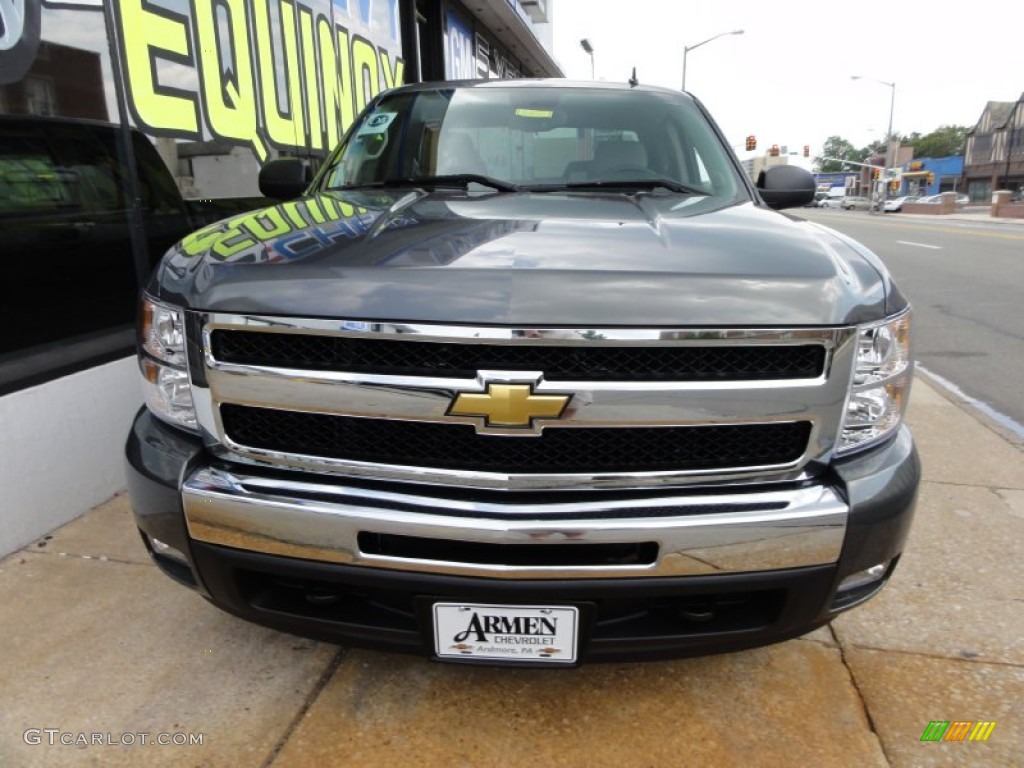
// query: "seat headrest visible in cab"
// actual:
[[620, 154]]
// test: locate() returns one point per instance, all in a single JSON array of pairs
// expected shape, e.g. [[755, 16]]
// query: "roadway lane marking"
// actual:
[[920, 245]]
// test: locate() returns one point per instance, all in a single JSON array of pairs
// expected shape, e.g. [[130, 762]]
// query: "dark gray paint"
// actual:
[[574, 259]]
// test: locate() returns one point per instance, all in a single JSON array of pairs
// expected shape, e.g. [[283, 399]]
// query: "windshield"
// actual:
[[535, 138]]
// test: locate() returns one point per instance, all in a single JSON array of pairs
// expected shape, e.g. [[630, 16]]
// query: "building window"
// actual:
[[1017, 142], [979, 191]]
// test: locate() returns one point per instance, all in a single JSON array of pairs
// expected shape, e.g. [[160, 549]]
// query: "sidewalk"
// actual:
[[978, 213], [96, 641]]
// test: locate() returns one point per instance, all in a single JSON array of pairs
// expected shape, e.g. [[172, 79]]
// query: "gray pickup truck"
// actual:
[[529, 373]]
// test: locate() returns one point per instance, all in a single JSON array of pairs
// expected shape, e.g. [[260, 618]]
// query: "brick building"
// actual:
[[994, 152]]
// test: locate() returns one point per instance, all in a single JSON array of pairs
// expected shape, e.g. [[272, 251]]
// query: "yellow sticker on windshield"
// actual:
[[540, 113]]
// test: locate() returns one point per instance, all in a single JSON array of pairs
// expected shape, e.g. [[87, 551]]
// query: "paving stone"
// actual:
[[957, 591], [108, 531], [104, 647], [904, 692], [956, 447], [965, 542], [785, 705], [822, 635]]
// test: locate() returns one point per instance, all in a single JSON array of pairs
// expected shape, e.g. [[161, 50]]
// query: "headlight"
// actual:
[[880, 385], [162, 362]]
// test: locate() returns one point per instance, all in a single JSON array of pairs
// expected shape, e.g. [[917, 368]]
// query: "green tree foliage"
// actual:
[[944, 141], [837, 148]]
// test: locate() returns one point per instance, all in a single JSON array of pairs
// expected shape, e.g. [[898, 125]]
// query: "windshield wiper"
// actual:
[[450, 180], [612, 184]]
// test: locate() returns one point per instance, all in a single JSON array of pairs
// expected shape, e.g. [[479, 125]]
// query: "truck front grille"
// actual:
[[557, 450], [398, 357], [645, 407]]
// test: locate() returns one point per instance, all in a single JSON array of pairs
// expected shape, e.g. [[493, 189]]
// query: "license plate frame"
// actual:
[[503, 633]]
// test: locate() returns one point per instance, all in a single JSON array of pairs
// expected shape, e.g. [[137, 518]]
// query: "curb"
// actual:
[[999, 423]]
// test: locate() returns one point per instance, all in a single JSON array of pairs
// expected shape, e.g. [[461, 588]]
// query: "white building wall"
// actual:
[[62, 449], [232, 175]]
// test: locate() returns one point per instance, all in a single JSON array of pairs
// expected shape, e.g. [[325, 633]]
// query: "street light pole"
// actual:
[[889, 160], [688, 48], [586, 46]]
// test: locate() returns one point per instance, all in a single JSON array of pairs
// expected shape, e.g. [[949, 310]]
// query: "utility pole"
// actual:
[[688, 48], [889, 159]]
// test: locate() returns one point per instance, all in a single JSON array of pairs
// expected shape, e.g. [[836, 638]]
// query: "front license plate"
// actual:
[[534, 633]]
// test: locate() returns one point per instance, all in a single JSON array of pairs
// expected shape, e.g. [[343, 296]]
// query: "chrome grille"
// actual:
[[570, 451], [398, 357], [649, 407]]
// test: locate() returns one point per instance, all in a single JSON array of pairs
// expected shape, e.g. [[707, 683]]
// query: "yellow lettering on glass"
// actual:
[[288, 128], [336, 65], [364, 64], [393, 74], [231, 109], [145, 33], [316, 137]]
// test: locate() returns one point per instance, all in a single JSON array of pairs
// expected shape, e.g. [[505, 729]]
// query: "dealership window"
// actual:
[[76, 113]]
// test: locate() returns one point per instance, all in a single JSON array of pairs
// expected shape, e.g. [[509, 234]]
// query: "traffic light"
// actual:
[[874, 174], [751, 143], [931, 177], [774, 151], [807, 150]]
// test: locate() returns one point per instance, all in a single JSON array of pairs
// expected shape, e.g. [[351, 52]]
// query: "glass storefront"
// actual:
[[125, 125]]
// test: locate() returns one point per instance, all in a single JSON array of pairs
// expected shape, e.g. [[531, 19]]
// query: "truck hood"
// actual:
[[527, 259]]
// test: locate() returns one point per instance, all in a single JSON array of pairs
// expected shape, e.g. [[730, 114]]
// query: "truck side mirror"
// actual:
[[284, 178], [785, 186]]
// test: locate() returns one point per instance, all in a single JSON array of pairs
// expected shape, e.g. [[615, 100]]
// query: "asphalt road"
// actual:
[[965, 280]]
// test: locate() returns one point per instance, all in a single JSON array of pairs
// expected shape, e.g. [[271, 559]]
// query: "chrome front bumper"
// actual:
[[696, 534]]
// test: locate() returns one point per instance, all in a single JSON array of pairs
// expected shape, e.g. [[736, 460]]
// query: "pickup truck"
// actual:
[[530, 373]]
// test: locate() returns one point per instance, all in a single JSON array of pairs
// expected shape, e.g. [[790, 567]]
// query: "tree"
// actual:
[[837, 148], [944, 141]]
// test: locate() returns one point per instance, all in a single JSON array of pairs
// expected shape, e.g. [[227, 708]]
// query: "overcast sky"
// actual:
[[786, 79]]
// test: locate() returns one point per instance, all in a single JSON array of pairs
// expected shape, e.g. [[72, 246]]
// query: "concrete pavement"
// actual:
[[96, 641]]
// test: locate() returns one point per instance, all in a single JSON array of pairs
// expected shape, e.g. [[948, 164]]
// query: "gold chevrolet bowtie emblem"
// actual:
[[509, 405]]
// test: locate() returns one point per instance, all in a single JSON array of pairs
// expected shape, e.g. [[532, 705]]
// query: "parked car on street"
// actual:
[[855, 204], [960, 199], [832, 198], [895, 204]]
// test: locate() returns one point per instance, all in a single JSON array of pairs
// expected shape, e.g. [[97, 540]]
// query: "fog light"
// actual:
[[166, 550], [862, 578], [859, 586]]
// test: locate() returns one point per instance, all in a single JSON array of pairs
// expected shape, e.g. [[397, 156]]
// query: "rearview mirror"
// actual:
[[785, 186]]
